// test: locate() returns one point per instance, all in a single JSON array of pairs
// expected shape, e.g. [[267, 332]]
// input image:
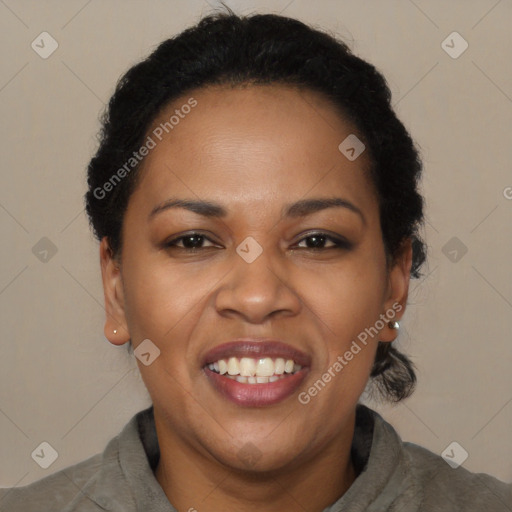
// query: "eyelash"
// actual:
[[340, 243]]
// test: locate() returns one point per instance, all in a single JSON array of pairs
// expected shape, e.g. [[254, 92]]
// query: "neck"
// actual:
[[194, 482]]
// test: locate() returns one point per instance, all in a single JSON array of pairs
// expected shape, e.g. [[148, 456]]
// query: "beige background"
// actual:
[[61, 382]]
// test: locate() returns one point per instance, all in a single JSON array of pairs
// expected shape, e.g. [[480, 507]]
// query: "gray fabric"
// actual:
[[393, 476]]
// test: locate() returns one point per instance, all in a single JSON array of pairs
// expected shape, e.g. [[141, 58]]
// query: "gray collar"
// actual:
[[131, 457]]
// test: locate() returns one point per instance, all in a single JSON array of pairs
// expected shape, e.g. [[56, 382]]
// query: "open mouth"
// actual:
[[249, 370], [256, 372]]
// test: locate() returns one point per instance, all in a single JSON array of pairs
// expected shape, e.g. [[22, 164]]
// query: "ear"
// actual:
[[398, 289], [114, 296]]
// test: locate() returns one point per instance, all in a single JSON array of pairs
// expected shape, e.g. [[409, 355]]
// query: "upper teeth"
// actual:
[[249, 367]]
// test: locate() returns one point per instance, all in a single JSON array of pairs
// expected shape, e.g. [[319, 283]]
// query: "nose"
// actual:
[[257, 290]]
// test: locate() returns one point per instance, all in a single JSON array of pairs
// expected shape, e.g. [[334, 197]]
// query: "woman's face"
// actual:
[[253, 272]]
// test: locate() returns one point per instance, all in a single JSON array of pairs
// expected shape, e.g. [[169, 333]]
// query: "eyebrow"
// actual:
[[300, 208]]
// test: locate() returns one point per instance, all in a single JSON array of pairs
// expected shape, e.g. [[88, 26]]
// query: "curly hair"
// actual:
[[227, 49]]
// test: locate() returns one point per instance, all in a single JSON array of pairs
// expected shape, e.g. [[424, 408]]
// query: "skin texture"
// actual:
[[253, 149]]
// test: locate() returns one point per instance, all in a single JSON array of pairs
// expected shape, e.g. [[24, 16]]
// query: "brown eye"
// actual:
[[317, 241], [189, 242]]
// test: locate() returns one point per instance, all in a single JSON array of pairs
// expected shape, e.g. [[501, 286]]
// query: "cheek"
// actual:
[[351, 295], [158, 298], [168, 306], [164, 306], [348, 305], [341, 371]]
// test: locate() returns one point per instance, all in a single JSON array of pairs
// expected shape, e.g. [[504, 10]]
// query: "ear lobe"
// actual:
[[114, 296], [398, 287]]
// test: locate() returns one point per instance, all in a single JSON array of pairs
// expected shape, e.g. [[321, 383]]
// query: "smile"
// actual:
[[255, 372], [248, 370]]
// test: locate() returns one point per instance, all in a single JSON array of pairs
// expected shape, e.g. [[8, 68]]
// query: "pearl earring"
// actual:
[[115, 331]]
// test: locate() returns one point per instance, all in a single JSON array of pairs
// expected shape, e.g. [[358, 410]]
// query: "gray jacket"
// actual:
[[393, 476]]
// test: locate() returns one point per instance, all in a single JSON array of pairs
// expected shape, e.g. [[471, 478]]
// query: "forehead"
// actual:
[[251, 144]]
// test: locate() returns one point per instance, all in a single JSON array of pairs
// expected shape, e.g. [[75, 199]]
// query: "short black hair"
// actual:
[[224, 48]]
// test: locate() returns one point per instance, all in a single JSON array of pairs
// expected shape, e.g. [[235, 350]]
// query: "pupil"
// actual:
[[317, 241], [190, 238]]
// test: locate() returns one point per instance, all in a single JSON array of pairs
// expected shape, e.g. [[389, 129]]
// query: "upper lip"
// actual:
[[256, 348]]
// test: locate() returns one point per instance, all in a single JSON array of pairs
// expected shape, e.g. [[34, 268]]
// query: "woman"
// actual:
[[256, 202]]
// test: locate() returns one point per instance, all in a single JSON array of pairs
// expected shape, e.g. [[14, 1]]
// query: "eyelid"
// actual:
[[339, 240], [173, 240]]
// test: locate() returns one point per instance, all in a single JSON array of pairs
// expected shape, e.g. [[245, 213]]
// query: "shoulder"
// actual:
[[419, 480], [56, 492], [96, 484], [451, 489]]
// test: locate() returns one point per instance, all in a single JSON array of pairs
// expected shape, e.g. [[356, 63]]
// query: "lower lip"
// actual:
[[256, 395]]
